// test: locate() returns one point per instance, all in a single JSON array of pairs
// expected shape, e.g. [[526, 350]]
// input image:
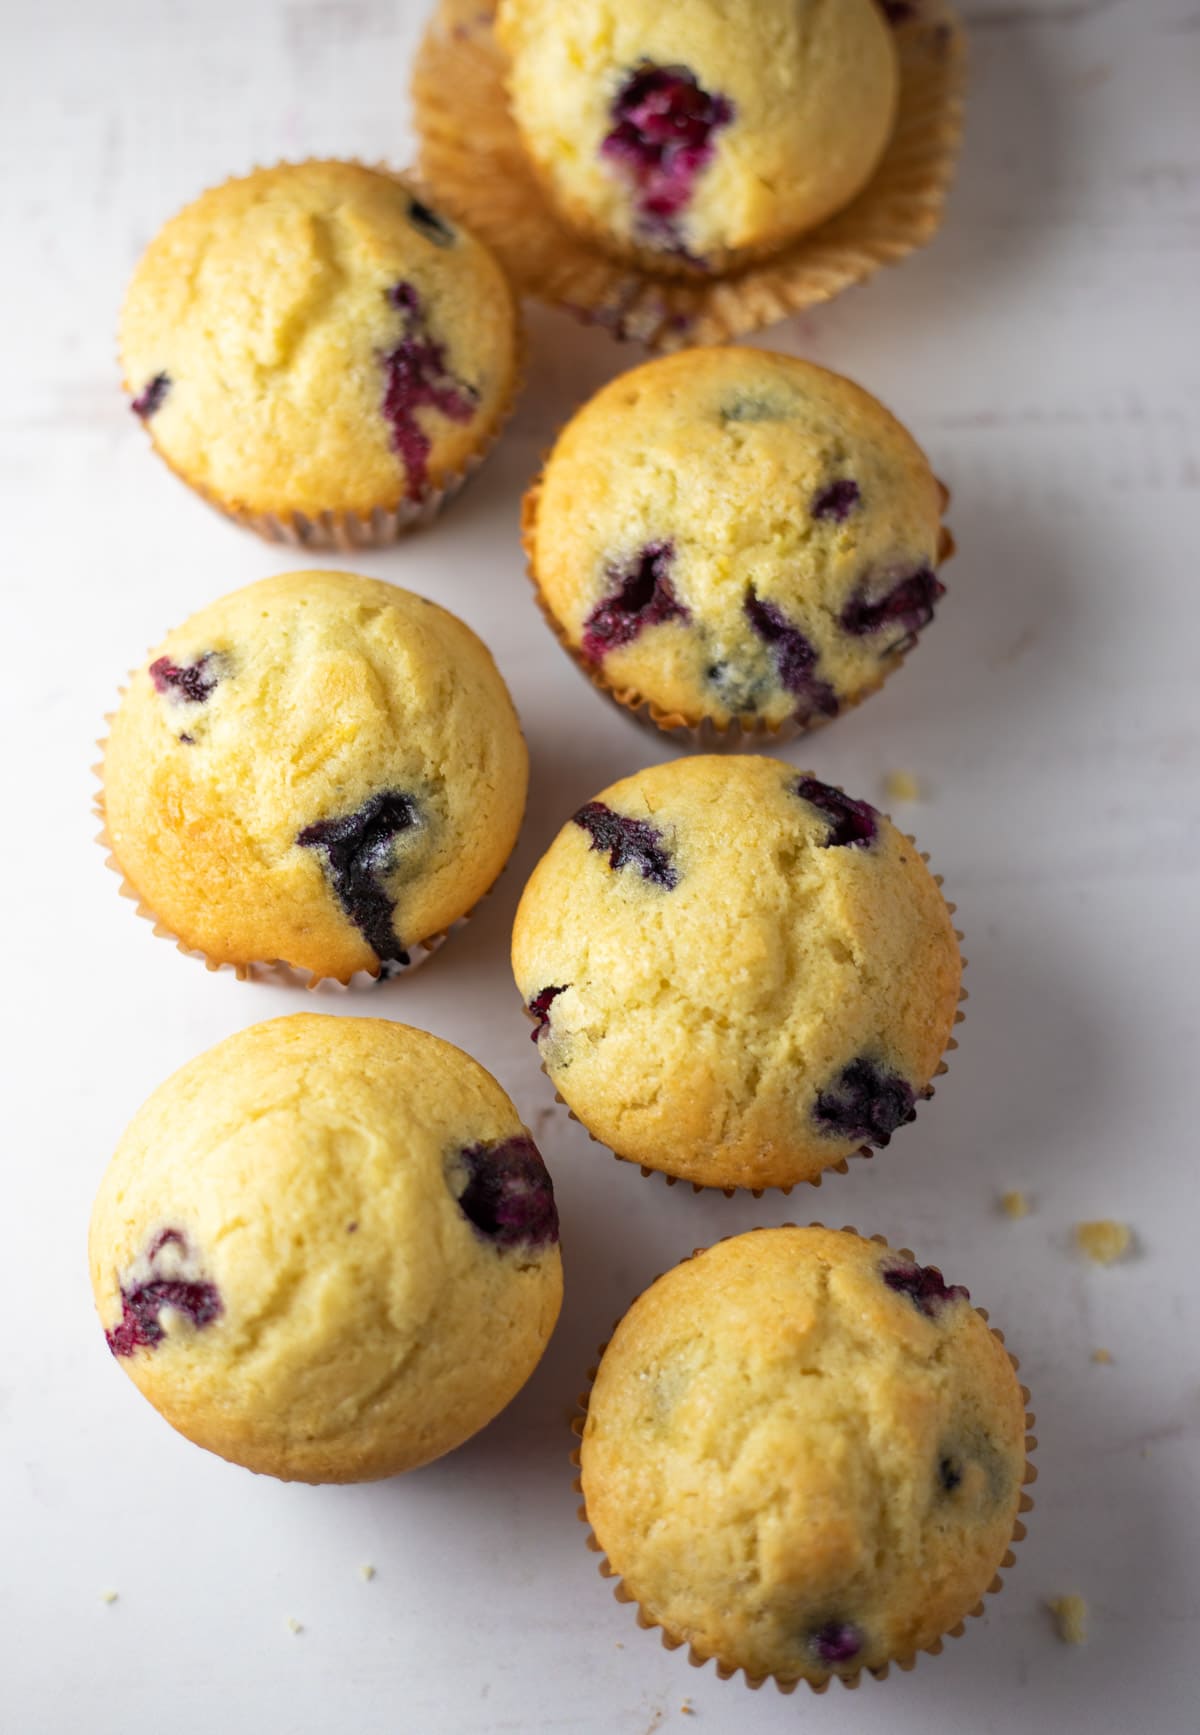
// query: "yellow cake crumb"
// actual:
[[1102, 1355], [1103, 1241], [294, 1626], [1014, 1204], [1070, 1618], [902, 786], [688, 1708], [108, 1596], [366, 1572]]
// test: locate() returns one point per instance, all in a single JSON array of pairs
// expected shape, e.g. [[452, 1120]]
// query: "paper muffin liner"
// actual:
[[277, 971], [786, 1684], [472, 156], [841, 1166], [703, 733], [333, 528]]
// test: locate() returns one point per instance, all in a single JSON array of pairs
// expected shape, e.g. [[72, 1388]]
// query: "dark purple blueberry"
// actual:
[[428, 223], [187, 740], [836, 1642], [539, 1007], [151, 396], [851, 822], [642, 596], [357, 852], [417, 377], [661, 141], [629, 842], [924, 1286], [509, 1195], [142, 1302], [949, 1474], [909, 605], [866, 1104], [794, 657], [190, 683], [837, 501]]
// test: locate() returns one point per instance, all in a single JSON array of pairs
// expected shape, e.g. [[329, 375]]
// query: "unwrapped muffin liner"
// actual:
[[384, 525], [726, 1671], [472, 157], [693, 731], [277, 972], [841, 1166]]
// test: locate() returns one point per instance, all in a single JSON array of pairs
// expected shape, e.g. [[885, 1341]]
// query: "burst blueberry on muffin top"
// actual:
[[691, 137], [316, 338], [327, 1249], [737, 974], [737, 535], [320, 769], [777, 1401]]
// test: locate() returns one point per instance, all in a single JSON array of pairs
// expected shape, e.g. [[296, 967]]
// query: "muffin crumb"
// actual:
[[366, 1572], [108, 1596], [1104, 1241], [902, 786], [1104, 1356], [294, 1625], [1015, 1204], [1070, 1618]]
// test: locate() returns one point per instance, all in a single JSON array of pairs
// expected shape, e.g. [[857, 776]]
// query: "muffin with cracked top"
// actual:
[[738, 975], [804, 1455], [327, 1249], [320, 770], [694, 137], [736, 539], [319, 352]]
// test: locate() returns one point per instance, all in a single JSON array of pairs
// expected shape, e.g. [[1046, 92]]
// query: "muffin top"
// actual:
[[737, 534], [327, 1248], [739, 974], [314, 337], [692, 133], [320, 769], [804, 1453]]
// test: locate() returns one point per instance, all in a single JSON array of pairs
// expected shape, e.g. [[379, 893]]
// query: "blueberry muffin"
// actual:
[[736, 537], [804, 1455], [696, 136], [318, 351], [327, 1249], [738, 975], [320, 769]]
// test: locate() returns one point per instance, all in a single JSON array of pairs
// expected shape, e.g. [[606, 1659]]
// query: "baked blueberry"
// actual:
[[143, 1300], [151, 396], [418, 376], [357, 852], [508, 1194], [662, 140], [430, 224], [837, 501], [851, 822], [836, 1642], [539, 1008], [642, 596], [924, 1285], [909, 604], [629, 842], [192, 683], [794, 656]]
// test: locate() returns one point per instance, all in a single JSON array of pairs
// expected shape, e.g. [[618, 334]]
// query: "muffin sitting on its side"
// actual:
[[804, 1455], [736, 537], [318, 352], [327, 1249], [320, 770], [739, 975]]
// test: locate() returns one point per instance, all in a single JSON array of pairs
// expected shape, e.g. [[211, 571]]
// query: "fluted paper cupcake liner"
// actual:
[[334, 528], [472, 157], [787, 1684], [704, 733], [841, 1166]]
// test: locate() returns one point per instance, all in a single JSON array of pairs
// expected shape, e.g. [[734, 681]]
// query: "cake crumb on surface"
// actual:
[[688, 1709], [902, 786], [294, 1625], [366, 1572], [1102, 1355], [1104, 1241], [108, 1596], [1015, 1204], [1070, 1618]]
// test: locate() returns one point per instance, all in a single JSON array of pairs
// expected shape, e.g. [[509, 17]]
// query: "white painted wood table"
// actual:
[[1045, 351]]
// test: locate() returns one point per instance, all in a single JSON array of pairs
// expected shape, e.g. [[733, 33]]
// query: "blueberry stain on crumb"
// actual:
[[357, 851], [143, 1300], [924, 1286], [836, 1642], [642, 596], [417, 376], [629, 843], [662, 139], [508, 1195], [150, 399], [852, 823]]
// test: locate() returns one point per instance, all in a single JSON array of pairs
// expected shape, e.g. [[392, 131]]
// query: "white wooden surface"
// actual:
[[1045, 351]]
